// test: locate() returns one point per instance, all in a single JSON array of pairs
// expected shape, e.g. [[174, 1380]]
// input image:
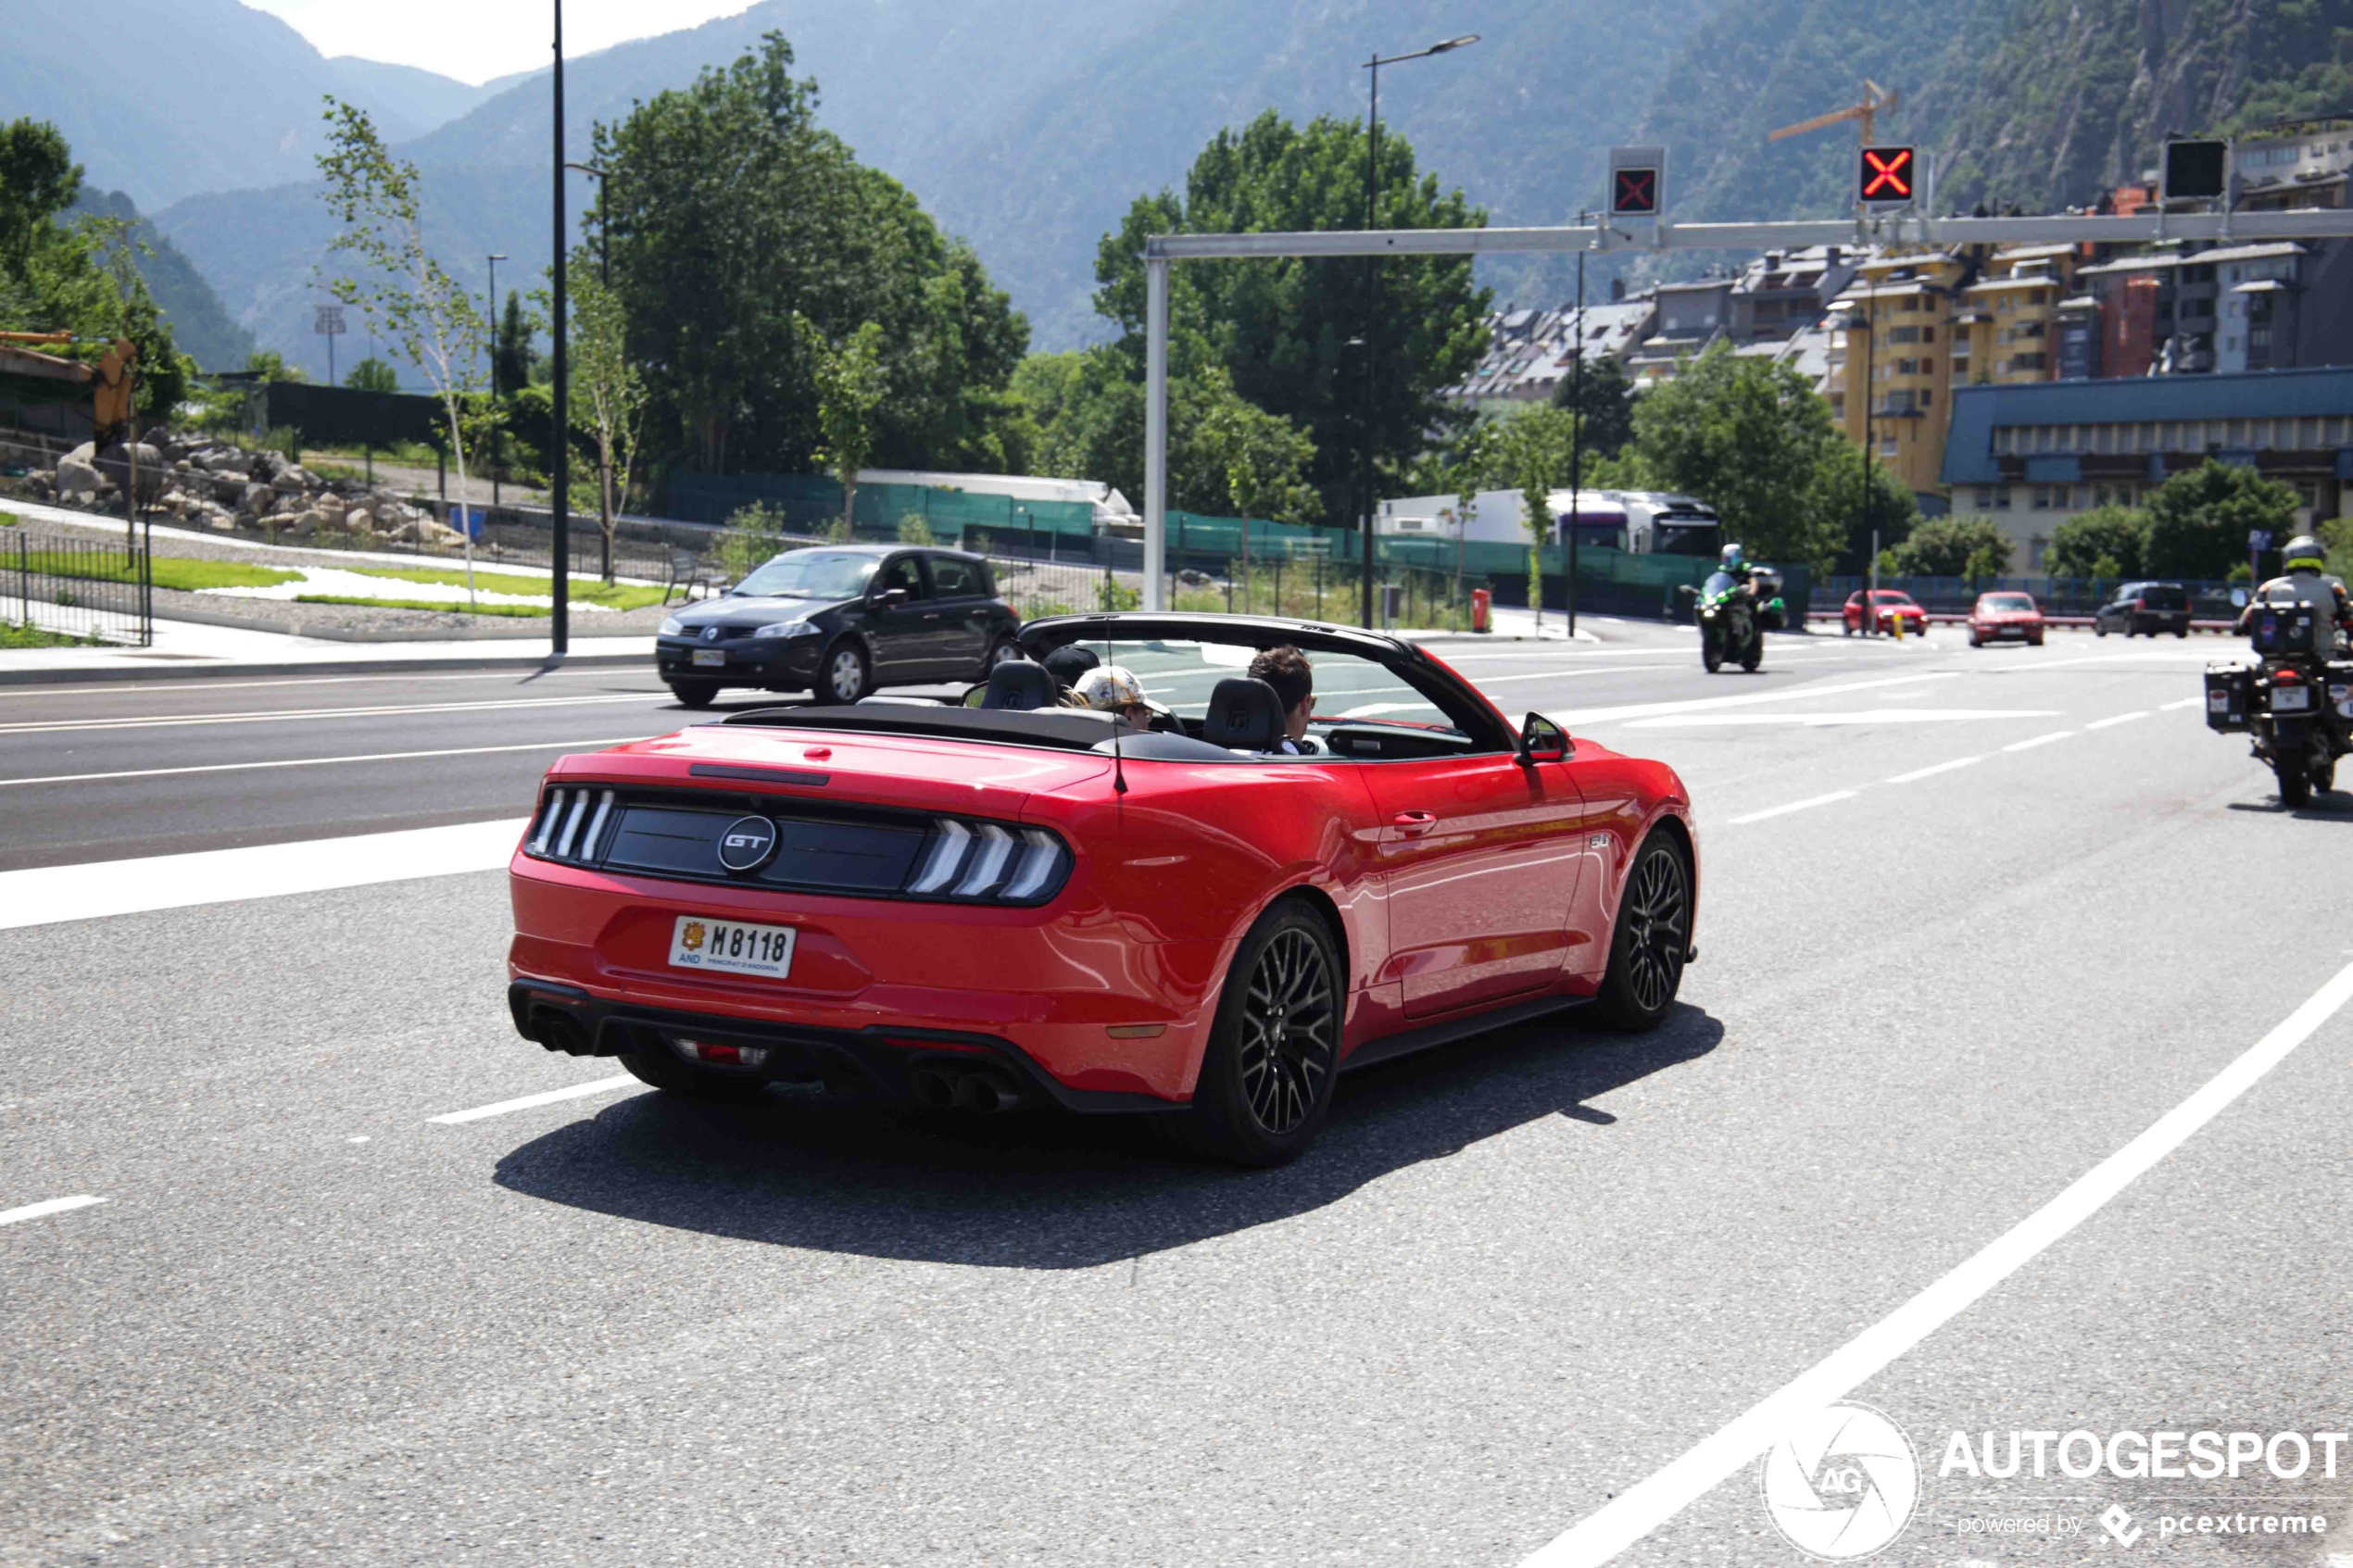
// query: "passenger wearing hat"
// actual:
[[1112, 688], [1067, 664]]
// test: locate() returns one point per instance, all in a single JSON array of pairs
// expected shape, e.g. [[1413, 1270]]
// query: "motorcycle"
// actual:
[[1735, 615], [2296, 702]]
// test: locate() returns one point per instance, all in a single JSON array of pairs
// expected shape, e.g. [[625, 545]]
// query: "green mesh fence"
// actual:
[[811, 504]]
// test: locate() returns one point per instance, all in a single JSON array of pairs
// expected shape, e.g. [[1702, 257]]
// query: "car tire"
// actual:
[[843, 675], [2099, 628], [2035, 641], [1000, 650], [1268, 1076], [1650, 940], [1975, 641], [671, 1076], [695, 693], [2181, 631]]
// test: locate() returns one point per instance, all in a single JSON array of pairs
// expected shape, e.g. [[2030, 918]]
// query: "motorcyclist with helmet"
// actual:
[[2305, 580]]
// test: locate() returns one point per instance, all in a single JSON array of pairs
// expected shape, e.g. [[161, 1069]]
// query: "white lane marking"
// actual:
[[1644, 1507], [1794, 806], [50, 1206], [517, 673], [284, 715], [315, 762], [95, 889], [1823, 720], [2186, 702], [1931, 773], [2115, 719], [2038, 740], [526, 1102], [1695, 704]]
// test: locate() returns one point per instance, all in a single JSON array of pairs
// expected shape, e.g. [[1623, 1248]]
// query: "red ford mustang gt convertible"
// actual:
[[1010, 902]]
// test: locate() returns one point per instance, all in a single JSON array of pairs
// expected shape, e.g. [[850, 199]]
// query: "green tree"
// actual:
[[271, 365], [1607, 400], [1532, 449], [372, 374], [512, 357], [730, 214], [608, 395], [38, 180], [850, 389], [407, 298], [1291, 332], [1889, 509], [1953, 546], [2112, 537], [2199, 520], [1753, 440]]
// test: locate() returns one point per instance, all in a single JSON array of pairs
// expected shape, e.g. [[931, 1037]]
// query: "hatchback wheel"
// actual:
[[1267, 1079], [1004, 650], [1652, 940], [842, 676], [695, 693]]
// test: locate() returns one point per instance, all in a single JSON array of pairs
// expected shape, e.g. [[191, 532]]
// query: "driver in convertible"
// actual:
[[1285, 669]]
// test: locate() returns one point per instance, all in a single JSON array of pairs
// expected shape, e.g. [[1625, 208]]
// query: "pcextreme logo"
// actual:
[[1842, 1483]]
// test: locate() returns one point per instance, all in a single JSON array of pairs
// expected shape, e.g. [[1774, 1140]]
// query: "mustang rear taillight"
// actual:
[[571, 825], [990, 862]]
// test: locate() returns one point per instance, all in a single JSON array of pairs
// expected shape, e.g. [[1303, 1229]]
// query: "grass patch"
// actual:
[[184, 573], [585, 590], [8, 519], [524, 610], [14, 636]]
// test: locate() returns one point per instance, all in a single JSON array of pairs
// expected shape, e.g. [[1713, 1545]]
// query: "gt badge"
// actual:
[[747, 843]]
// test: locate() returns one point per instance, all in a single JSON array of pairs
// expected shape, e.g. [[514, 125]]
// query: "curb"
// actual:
[[233, 669]]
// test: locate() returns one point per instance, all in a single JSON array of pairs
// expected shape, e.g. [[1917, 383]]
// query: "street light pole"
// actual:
[[1372, 288], [559, 492], [494, 261]]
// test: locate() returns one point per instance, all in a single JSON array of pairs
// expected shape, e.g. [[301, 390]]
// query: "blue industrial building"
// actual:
[[2029, 456]]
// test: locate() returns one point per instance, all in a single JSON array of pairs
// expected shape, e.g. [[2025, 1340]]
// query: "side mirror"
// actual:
[[1541, 740], [1687, 588]]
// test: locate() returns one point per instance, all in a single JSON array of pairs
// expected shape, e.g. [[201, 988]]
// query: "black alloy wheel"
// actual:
[[1653, 938], [1267, 1077], [695, 693], [1004, 650], [842, 675]]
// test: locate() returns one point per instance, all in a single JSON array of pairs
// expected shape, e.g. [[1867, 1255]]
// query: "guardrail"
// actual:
[[76, 589]]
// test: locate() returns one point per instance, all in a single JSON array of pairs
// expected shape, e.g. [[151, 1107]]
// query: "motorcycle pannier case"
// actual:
[[2229, 692], [2340, 687], [2285, 628]]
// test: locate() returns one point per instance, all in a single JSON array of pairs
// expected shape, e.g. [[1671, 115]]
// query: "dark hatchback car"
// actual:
[[2144, 609], [841, 620]]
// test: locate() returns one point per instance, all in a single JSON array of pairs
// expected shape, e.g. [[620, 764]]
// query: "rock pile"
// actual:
[[202, 483]]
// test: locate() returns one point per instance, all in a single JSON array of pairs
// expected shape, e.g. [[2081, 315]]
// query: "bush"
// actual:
[[2198, 522], [755, 534], [1953, 546], [2107, 542], [914, 529]]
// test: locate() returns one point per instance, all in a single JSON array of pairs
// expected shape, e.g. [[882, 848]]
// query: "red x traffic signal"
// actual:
[[1633, 192], [1886, 177]]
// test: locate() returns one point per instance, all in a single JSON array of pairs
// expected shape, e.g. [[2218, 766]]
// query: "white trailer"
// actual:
[[1642, 521]]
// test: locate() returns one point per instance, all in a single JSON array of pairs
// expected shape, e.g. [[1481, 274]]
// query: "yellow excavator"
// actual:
[[111, 379]]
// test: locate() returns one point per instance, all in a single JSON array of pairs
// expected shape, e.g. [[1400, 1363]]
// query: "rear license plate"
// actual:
[[711, 656], [700, 942], [2286, 699]]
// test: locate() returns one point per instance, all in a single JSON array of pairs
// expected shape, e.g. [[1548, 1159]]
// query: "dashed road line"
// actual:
[[1933, 772], [2186, 702], [2038, 740], [47, 1208], [1831, 798], [2115, 719], [1651, 1502], [527, 1102]]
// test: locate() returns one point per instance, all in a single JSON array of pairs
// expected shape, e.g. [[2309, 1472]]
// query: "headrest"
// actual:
[[1020, 685], [1244, 715]]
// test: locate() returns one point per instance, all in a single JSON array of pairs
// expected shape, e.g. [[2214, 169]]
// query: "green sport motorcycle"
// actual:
[[1734, 613]]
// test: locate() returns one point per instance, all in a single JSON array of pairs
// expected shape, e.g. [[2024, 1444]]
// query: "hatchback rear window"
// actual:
[[2165, 596]]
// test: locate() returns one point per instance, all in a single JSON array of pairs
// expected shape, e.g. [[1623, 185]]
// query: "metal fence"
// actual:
[[84, 590]]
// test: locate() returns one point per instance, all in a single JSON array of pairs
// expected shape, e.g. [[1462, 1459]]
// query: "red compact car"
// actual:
[[1012, 902], [1894, 604], [2005, 617]]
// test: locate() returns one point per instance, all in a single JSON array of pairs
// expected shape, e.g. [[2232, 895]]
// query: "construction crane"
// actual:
[[1875, 99]]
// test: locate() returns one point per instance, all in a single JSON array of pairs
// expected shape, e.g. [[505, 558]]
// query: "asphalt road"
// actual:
[[1973, 924]]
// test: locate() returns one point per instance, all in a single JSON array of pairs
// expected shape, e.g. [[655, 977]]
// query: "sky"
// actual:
[[475, 40]]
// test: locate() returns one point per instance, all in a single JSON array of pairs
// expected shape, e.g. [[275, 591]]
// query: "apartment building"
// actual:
[[2030, 456]]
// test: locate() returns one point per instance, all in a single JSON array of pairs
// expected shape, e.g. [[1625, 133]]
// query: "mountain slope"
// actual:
[[419, 98], [201, 325], [1028, 127]]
